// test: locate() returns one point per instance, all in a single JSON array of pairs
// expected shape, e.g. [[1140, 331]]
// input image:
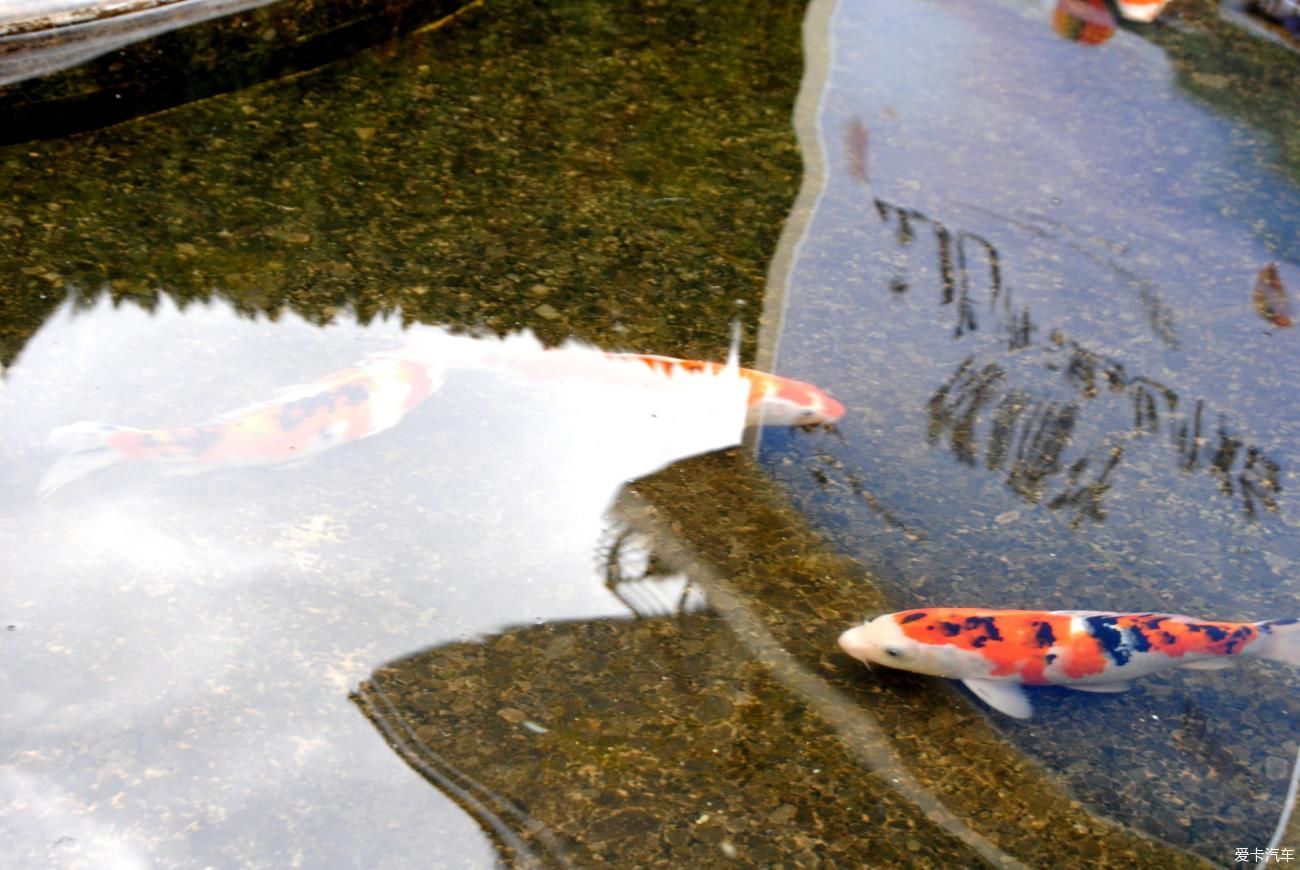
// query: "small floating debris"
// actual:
[[1270, 298], [855, 149]]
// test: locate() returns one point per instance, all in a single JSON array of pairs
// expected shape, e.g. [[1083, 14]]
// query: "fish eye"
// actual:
[[893, 652]]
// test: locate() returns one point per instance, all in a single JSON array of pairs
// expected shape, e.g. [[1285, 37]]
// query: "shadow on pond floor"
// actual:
[[736, 732]]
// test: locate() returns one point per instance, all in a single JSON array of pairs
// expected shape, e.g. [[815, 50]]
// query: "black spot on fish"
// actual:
[[1109, 637], [912, 617], [1267, 627], [295, 412], [1051, 657], [950, 629], [985, 622], [1168, 638], [1044, 636], [355, 394], [1138, 640], [1154, 624], [979, 642], [198, 439], [1241, 636], [1215, 633]]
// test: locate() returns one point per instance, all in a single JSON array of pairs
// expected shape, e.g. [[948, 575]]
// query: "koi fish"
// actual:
[[996, 652], [1145, 11], [771, 400], [377, 393], [299, 422], [1270, 298]]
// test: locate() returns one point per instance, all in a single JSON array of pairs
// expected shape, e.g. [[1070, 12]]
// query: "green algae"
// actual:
[[738, 733], [618, 174]]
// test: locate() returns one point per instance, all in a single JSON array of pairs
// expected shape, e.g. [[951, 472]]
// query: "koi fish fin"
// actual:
[[87, 452], [74, 466], [1004, 697], [1279, 640], [1209, 664], [82, 436], [733, 352], [1103, 688]]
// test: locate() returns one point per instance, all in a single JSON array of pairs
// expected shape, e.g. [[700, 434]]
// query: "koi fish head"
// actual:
[[787, 402], [881, 641]]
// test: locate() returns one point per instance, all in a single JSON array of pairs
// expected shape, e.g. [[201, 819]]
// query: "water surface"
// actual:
[[1024, 264]]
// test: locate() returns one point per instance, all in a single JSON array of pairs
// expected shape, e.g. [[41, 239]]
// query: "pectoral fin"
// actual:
[[1004, 697], [1103, 688], [1209, 664]]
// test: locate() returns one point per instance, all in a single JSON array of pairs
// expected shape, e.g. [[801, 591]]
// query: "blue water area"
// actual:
[[1029, 272]]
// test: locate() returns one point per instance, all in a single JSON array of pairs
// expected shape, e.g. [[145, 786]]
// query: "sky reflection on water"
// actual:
[[194, 623]]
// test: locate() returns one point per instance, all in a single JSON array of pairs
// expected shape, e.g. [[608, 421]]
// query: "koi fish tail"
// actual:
[[1279, 640], [86, 451]]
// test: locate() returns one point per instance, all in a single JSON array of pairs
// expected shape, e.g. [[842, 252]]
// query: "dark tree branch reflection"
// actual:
[[1026, 435]]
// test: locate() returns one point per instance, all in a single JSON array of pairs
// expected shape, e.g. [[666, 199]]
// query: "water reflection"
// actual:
[[1070, 401], [661, 739], [205, 628], [1029, 434], [684, 398]]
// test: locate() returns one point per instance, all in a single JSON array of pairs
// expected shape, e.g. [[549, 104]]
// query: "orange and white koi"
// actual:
[[996, 652], [348, 405]]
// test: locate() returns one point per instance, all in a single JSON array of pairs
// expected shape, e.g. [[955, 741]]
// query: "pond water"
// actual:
[[558, 608]]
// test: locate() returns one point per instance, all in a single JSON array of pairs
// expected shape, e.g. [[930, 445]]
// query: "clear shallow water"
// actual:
[[181, 650], [1042, 297], [184, 646]]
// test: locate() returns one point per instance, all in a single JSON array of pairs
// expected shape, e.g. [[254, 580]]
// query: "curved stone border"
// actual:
[[56, 80]]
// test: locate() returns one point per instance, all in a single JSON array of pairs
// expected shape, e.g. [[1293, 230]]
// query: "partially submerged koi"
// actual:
[[299, 422], [997, 652], [1084, 21], [377, 393], [771, 400]]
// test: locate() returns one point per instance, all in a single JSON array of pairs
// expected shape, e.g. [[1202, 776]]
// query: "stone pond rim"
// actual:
[[65, 74]]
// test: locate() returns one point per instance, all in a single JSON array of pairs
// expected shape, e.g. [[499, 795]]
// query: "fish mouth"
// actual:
[[849, 642]]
